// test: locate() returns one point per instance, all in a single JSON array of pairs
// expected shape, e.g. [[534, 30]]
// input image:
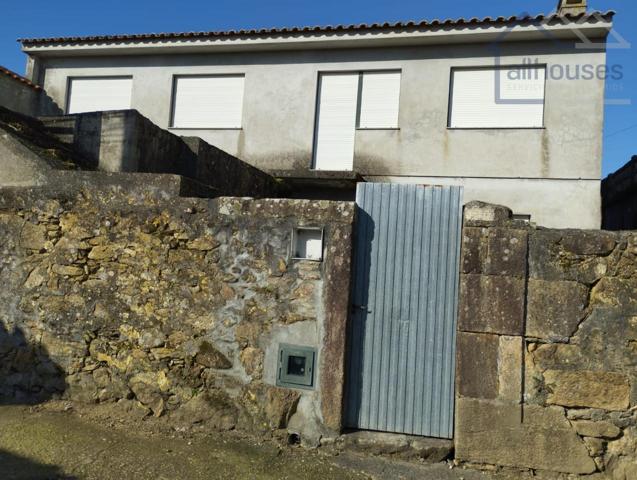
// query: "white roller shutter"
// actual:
[[380, 95], [336, 122], [99, 94], [214, 101], [498, 98]]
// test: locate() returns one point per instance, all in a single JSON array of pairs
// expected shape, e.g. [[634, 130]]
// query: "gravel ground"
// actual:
[[49, 443]]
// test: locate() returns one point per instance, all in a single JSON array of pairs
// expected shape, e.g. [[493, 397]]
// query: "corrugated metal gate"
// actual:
[[401, 357]]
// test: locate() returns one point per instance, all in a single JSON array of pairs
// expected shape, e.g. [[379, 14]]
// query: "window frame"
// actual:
[[304, 382], [69, 85], [173, 101], [295, 237], [452, 71], [359, 101]]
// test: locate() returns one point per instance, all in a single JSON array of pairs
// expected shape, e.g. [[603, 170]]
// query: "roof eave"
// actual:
[[333, 39]]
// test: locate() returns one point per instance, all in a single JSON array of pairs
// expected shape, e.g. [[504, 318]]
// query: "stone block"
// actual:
[[522, 437], [280, 405], [209, 356], [477, 365], [596, 446], [214, 408], [480, 214], [617, 293], [549, 260], [32, 236], [376, 443], [581, 242], [68, 270], [102, 252], [555, 308], [506, 252], [252, 360], [430, 450], [607, 339], [559, 356], [473, 246], [588, 428], [592, 389], [602, 344], [510, 368], [492, 304], [36, 278]]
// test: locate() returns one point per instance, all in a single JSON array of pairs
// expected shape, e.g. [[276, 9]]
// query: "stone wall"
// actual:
[[127, 293], [547, 347]]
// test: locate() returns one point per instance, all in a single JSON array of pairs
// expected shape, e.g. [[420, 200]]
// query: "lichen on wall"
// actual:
[[162, 302]]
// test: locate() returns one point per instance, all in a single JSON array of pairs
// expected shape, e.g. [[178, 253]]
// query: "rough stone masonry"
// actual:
[[547, 347], [170, 305]]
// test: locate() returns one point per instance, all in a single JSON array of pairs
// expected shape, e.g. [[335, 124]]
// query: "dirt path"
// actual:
[[43, 444]]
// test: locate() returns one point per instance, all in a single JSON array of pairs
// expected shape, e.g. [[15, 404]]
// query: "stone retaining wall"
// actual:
[[547, 347], [171, 306]]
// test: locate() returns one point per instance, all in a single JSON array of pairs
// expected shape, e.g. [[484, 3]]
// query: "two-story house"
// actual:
[[510, 108]]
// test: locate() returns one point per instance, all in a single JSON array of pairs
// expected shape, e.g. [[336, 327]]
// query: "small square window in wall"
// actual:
[[296, 366], [307, 244]]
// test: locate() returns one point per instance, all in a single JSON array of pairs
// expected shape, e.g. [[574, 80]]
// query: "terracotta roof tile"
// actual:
[[19, 78], [424, 24]]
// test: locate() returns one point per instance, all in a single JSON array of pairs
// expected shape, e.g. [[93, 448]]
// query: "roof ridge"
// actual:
[[324, 28]]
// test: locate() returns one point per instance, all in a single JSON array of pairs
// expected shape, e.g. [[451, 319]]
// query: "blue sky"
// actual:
[[39, 18]]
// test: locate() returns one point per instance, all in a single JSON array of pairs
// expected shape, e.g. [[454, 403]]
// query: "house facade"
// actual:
[[509, 108]]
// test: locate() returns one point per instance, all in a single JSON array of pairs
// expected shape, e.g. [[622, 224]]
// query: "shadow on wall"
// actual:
[[27, 374], [358, 323], [14, 467]]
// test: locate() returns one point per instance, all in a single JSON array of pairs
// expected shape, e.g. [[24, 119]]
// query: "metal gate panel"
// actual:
[[402, 331]]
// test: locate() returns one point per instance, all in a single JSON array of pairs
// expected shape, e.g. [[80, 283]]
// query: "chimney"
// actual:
[[571, 7]]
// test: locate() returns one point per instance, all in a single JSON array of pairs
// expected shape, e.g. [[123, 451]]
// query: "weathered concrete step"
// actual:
[[60, 127], [432, 450]]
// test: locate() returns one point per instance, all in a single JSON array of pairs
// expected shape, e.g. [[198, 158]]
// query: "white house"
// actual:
[[510, 108]]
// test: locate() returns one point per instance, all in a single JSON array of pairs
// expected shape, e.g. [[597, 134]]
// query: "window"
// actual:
[[211, 101], [350, 100], [308, 244], [380, 92], [510, 97], [335, 128], [94, 94]]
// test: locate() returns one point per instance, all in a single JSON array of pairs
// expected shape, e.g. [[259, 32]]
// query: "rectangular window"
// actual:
[[336, 121], [94, 94], [380, 95], [509, 97], [350, 100], [211, 101]]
